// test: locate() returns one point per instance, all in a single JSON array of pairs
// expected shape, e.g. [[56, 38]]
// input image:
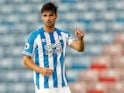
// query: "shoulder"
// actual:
[[34, 33]]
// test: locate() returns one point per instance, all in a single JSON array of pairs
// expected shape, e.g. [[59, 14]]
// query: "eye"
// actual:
[[51, 15], [44, 15]]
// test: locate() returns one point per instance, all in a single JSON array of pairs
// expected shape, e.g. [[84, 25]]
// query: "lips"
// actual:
[[48, 21]]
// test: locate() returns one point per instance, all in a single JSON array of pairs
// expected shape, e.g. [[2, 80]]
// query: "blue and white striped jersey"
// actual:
[[48, 51]]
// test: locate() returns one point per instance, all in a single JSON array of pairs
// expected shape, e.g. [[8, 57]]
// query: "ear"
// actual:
[[56, 16]]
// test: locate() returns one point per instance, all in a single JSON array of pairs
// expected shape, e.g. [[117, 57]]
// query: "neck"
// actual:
[[48, 29]]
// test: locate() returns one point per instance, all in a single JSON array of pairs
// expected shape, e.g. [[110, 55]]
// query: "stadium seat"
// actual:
[[97, 87], [113, 50], [71, 75], [81, 6], [101, 62], [121, 74], [119, 38], [89, 75], [1, 52], [6, 63], [119, 5], [17, 88], [117, 26], [118, 62], [3, 87], [117, 87], [78, 87], [109, 75]]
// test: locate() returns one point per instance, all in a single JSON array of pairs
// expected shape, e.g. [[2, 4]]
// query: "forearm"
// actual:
[[28, 62], [31, 65], [80, 45]]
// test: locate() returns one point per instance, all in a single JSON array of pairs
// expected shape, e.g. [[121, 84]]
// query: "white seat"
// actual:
[[119, 38], [72, 74], [3, 88], [24, 75], [3, 29], [113, 50], [78, 87], [119, 5], [88, 76], [7, 63], [99, 26], [117, 26], [7, 9], [117, 87], [83, 6], [118, 62], [17, 87], [97, 87]]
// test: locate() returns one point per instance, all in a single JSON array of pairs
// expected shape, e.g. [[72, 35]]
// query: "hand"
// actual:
[[79, 34], [46, 71]]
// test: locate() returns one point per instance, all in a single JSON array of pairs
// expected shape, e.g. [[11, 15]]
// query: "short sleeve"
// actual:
[[29, 45], [70, 38]]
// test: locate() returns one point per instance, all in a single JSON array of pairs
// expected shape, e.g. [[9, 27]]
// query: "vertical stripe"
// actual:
[[55, 78], [41, 60], [64, 73], [37, 63], [46, 64], [50, 59], [65, 79], [62, 59], [36, 60], [58, 68]]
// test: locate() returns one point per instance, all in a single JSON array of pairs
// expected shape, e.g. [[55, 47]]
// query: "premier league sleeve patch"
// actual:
[[27, 45]]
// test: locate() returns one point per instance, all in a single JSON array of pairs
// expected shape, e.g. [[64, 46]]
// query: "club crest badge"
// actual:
[[27, 45]]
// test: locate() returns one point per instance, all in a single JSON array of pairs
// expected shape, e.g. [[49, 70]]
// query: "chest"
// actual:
[[51, 44]]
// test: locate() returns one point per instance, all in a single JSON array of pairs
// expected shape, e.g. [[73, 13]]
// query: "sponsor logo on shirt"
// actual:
[[53, 48]]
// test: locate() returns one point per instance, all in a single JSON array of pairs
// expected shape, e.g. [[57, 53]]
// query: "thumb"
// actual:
[[75, 31]]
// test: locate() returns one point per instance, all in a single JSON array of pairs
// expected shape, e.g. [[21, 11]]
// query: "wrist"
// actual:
[[38, 69], [80, 39]]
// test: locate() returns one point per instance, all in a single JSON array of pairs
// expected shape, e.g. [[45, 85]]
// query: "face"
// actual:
[[49, 18]]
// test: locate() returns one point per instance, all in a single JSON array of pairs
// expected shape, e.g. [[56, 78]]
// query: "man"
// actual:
[[44, 52]]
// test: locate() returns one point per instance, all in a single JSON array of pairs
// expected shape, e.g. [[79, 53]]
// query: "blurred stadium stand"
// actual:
[[100, 67]]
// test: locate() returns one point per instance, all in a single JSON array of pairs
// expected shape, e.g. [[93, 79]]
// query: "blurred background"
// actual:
[[99, 69]]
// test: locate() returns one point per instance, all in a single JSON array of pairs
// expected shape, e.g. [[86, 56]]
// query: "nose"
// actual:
[[48, 17]]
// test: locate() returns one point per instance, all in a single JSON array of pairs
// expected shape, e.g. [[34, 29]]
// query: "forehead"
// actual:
[[48, 12]]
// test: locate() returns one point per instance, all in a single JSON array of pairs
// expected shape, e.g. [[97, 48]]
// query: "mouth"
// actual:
[[48, 22]]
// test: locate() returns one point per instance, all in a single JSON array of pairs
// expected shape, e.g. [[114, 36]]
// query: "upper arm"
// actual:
[[26, 58], [30, 45]]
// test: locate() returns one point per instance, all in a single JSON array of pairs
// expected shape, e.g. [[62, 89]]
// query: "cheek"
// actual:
[[54, 19]]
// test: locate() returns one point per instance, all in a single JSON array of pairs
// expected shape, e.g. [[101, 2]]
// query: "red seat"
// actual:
[[100, 62], [97, 87], [109, 75], [96, 91]]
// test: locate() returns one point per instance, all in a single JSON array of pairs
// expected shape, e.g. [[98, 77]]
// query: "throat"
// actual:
[[48, 29]]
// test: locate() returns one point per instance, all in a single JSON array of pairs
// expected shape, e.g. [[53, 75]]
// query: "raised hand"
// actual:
[[79, 34]]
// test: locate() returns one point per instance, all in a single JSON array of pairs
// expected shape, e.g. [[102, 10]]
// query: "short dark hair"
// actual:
[[49, 6]]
